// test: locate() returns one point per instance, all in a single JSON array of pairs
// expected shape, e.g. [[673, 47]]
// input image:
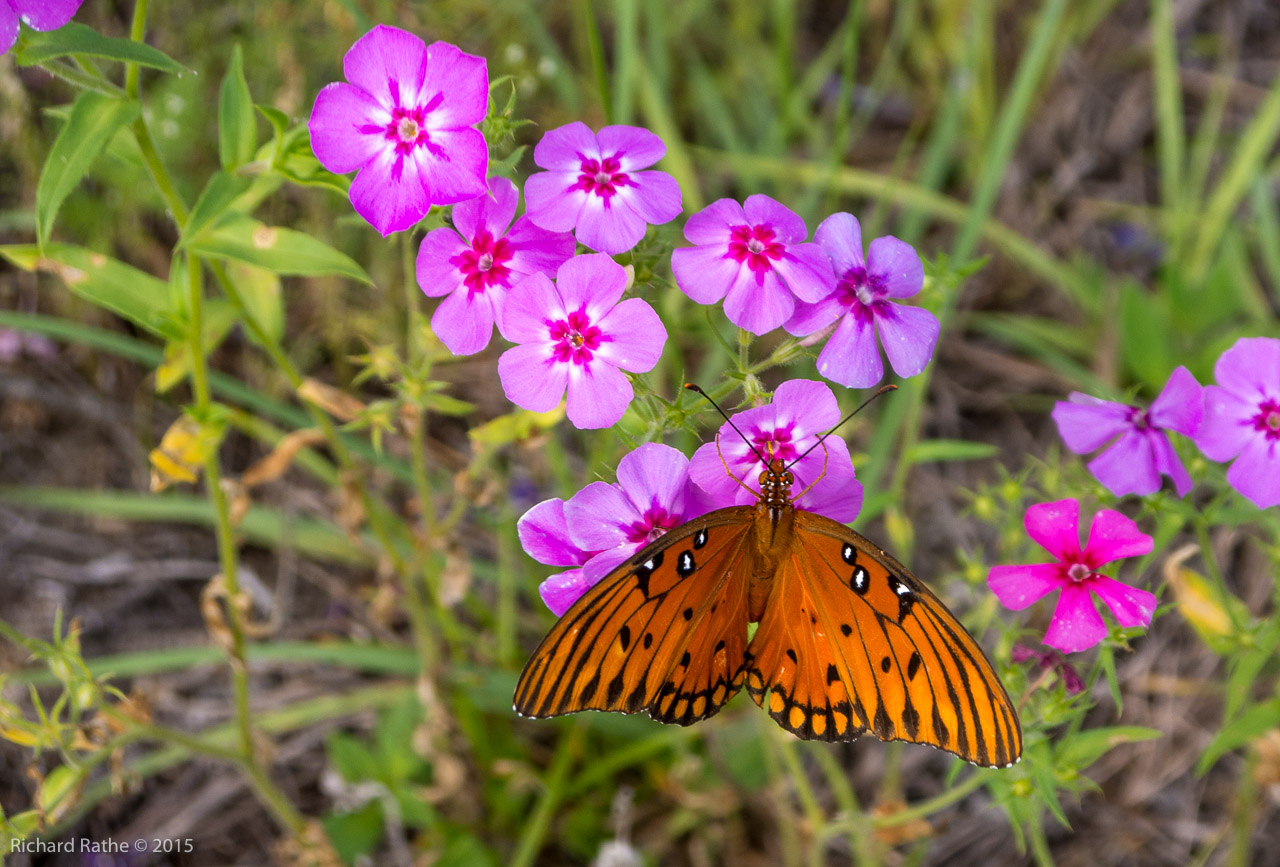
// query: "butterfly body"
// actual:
[[848, 641]]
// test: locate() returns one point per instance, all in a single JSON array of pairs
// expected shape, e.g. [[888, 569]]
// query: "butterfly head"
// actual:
[[775, 484]]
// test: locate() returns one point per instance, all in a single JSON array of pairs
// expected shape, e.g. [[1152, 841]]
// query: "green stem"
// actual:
[[924, 809], [861, 843], [557, 779], [136, 32]]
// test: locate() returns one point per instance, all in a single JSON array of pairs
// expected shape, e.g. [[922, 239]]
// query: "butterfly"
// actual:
[[848, 641]]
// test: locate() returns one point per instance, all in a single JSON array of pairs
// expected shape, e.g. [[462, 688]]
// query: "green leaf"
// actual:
[[260, 290], [357, 833], [78, 39], [214, 202], [1085, 747], [949, 450], [446, 405], [1144, 335], [1252, 723], [94, 119], [277, 249], [465, 851], [101, 280], [237, 123], [219, 316], [351, 758]]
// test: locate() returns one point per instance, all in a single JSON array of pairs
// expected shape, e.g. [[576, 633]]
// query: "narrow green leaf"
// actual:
[[1144, 335], [214, 201], [76, 38], [1085, 747], [277, 249], [1252, 723], [237, 123], [110, 283], [949, 450], [94, 119]]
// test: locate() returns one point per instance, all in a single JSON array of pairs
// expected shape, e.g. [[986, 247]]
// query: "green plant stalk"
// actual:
[[861, 844], [137, 31], [924, 809], [557, 779], [1170, 147]]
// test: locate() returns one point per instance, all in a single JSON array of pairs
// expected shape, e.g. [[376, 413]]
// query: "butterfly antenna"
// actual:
[[884, 389], [750, 445]]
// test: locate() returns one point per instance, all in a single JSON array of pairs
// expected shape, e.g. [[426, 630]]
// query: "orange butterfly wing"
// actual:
[[850, 641], [665, 632]]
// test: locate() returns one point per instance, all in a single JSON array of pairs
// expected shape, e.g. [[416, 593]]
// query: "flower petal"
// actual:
[[562, 149], [711, 224], [786, 224], [1056, 528], [807, 272], [1256, 472], [464, 321], [559, 592], [388, 192], [806, 406], [895, 267], [491, 212], [840, 237], [1129, 466], [530, 377], [1018, 587], [606, 561], [8, 27], [851, 357], [457, 172], [390, 64], [531, 306], [437, 274], [812, 318], [1132, 606], [1250, 369], [1226, 426], [340, 113], [758, 303], [909, 335], [837, 494], [599, 516], [462, 82], [1113, 536], [552, 201], [45, 14], [633, 146], [592, 283], [705, 273], [1086, 423], [655, 197], [544, 535], [1180, 405], [1076, 623], [534, 249], [655, 476], [609, 225], [636, 336], [1168, 463], [599, 395]]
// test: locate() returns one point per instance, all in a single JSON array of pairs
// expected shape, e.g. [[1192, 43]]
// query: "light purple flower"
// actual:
[[753, 256], [405, 125], [478, 267], [576, 335], [593, 185], [1076, 624], [36, 14], [1140, 450], [544, 535], [864, 301], [801, 411], [1242, 418]]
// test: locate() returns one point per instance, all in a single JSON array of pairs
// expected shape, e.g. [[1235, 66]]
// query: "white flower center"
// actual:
[[485, 263], [1079, 572], [407, 130]]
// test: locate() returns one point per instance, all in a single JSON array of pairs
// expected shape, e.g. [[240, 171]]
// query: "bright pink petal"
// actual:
[[1226, 427], [1018, 587], [606, 561], [894, 266], [1131, 606], [462, 82], [559, 592], [1168, 463], [599, 516], [464, 322], [656, 197], [456, 174], [1180, 405], [491, 212], [811, 318], [599, 394], [909, 335], [636, 336], [851, 356], [535, 250], [562, 149], [634, 147], [840, 237], [1250, 369], [786, 224], [531, 379], [708, 472], [806, 406], [807, 272], [1129, 466], [390, 64], [389, 194], [655, 476], [758, 305], [1086, 423], [837, 494], [437, 275], [337, 119], [1256, 472], [592, 283], [8, 27], [705, 273], [45, 14], [1056, 528], [531, 306], [711, 224], [551, 201], [1113, 536], [1076, 623], [609, 225], [544, 535]]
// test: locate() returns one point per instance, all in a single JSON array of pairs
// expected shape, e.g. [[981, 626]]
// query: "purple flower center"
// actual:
[[485, 264], [777, 443], [407, 128], [1267, 421], [756, 246], [653, 523], [860, 291], [602, 177], [1079, 572], [1138, 418], [576, 339]]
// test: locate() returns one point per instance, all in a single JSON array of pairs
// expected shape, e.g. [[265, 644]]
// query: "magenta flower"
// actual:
[[544, 535], [405, 125], [865, 301], [593, 185], [1076, 624], [1047, 660], [801, 411], [1140, 450], [36, 14], [1242, 418], [477, 268], [753, 256], [576, 335]]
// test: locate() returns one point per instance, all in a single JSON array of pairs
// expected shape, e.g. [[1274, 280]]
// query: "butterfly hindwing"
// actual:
[[665, 632], [848, 631]]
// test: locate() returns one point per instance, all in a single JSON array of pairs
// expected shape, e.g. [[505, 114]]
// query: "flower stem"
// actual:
[[557, 779]]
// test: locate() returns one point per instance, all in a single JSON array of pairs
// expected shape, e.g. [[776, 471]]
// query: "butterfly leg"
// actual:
[[821, 475], [728, 472]]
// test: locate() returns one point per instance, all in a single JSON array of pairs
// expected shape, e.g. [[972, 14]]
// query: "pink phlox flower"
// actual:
[[476, 265], [36, 14], [544, 535], [754, 256], [801, 411], [1076, 624], [594, 185], [1242, 418], [1051, 659], [865, 301], [576, 336], [1139, 450], [405, 124]]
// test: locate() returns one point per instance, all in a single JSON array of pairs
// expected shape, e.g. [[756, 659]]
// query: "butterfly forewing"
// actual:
[[665, 632]]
